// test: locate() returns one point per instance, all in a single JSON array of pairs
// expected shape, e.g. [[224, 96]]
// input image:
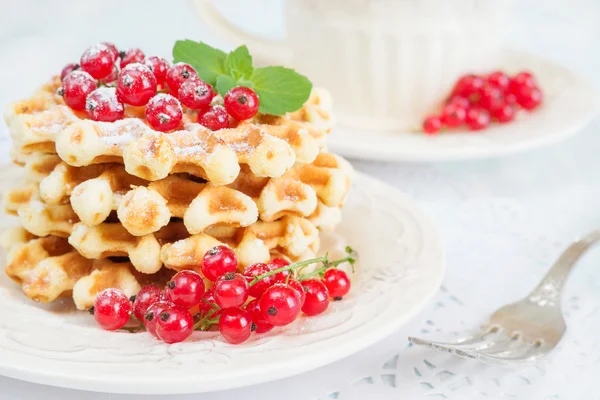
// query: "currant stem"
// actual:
[[204, 320], [288, 267], [327, 266]]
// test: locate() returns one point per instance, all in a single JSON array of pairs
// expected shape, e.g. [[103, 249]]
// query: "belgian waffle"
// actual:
[[269, 146]]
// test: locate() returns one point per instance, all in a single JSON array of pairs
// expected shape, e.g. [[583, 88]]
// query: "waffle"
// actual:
[[48, 268], [174, 247], [269, 146], [314, 190]]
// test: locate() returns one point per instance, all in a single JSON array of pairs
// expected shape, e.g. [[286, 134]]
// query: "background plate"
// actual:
[[570, 102], [401, 267]]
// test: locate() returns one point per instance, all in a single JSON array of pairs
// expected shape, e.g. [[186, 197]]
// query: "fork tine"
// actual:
[[473, 341], [527, 354]]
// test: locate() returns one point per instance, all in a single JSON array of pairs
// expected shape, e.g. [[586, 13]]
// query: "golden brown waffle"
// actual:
[[48, 268], [314, 190], [177, 249], [43, 123]]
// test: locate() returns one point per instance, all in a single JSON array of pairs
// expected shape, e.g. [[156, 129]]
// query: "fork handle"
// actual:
[[551, 286]]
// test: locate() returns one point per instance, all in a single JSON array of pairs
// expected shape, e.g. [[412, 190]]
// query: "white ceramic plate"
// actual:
[[570, 103], [400, 268]]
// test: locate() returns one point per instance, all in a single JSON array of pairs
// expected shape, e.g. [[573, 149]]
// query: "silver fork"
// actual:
[[526, 330]]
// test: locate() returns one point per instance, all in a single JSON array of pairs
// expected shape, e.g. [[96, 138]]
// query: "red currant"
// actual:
[[131, 56], [499, 79], [337, 282], [510, 98], [208, 304], [491, 97], [196, 94], [506, 113], [146, 297], [432, 124], [164, 112], [113, 50], [218, 261], [136, 84], [477, 118], [453, 115], [68, 69], [521, 80], [98, 61], [174, 324], [258, 318], [230, 290], [241, 103], [277, 263], [152, 313], [468, 85], [103, 105], [280, 304], [235, 325], [75, 88], [215, 118], [159, 67], [317, 297], [185, 289], [294, 284], [460, 101], [112, 76], [259, 287], [112, 309], [178, 74], [529, 97]]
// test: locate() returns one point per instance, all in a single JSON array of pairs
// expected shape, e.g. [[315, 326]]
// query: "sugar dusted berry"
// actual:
[[75, 88], [218, 261], [174, 324], [178, 74], [294, 284], [164, 112], [196, 94], [131, 56], [98, 61], [136, 84], [215, 118], [317, 297], [159, 67], [103, 105], [185, 289], [112, 309], [146, 297], [68, 69], [241, 103], [235, 325], [277, 263], [113, 49]]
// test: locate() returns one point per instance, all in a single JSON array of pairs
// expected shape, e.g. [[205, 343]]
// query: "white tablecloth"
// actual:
[[503, 221]]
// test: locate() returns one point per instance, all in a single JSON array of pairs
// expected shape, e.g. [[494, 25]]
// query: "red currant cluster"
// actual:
[[106, 80], [477, 100], [260, 298]]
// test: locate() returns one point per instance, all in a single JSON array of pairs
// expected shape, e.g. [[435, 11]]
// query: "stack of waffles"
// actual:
[[121, 205]]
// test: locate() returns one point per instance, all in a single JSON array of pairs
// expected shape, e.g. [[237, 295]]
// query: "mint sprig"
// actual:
[[280, 90]]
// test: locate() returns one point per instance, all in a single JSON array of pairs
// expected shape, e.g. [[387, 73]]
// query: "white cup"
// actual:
[[387, 63]]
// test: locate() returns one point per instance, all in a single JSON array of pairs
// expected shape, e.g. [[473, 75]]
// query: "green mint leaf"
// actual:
[[280, 89], [206, 60], [238, 63], [224, 84]]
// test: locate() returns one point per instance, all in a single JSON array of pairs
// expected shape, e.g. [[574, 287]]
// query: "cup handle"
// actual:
[[266, 51]]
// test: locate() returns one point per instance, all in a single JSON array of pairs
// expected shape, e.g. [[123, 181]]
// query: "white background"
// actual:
[[503, 220]]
